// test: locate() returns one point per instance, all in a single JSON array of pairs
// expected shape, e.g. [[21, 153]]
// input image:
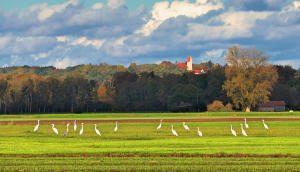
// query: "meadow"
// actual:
[[139, 146]]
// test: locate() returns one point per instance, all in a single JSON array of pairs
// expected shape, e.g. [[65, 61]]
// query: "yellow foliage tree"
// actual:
[[249, 77]]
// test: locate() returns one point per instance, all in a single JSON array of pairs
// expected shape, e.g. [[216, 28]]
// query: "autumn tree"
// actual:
[[249, 77]]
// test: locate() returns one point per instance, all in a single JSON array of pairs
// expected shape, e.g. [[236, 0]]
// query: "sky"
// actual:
[[64, 33]]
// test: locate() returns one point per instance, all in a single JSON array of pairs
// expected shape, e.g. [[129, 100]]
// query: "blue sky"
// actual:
[[65, 33]]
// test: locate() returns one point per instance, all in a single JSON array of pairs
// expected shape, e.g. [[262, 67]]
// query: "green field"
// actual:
[[139, 146], [113, 116]]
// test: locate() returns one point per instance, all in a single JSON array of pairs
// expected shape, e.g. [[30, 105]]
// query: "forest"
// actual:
[[139, 88]]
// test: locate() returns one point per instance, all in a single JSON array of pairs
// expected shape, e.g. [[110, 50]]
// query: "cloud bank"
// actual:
[[71, 33]]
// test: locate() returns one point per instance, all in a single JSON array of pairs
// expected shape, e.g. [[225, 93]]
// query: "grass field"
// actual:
[[140, 147], [113, 116]]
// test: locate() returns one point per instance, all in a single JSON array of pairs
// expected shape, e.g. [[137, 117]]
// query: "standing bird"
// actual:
[[54, 129], [185, 126], [246, 125], [116, 128], [67, 130], [75, 126], [232, 131], [265, 125], [199, 132], [243, 131], [174, 132], [37, 126], [81, 130], [97, 131], [159, 125]]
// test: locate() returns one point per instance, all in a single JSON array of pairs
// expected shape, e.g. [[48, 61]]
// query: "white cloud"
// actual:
[[85, 42], [62, 38], [294, 63], [46, 12], [162, 11], [115, 3], [4, 41], [64, 62], [36, 57], [98, 5], [235, 25]]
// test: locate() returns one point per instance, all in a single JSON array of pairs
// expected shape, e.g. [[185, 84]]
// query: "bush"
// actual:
[[217, 106]]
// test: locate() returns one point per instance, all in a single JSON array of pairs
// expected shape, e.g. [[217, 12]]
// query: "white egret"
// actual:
[[159, 125], [185, 126], [232, 131], [75, 126], [174, 132], [243, 131], [81, 130], [37, 126], [265, 125], [67, 130], [116, 128], [54, 129], [97, 131], [246, 125], [199, 132]]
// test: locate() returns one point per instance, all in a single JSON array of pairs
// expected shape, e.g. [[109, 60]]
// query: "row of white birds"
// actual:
[[186, 127]]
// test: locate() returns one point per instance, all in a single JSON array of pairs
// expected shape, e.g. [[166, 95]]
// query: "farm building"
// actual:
[[272, 106]]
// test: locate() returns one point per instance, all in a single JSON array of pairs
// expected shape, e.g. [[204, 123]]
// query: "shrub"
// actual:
[[217, 106]]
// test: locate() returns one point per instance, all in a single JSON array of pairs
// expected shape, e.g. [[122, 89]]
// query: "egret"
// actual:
[[54, 129], [185, 126], [199, 132], [246, 125], [265, 125], [159, 125], [232, 131], [243, 131], [37, 126], [81, 130], [97, 131], [75, 126], [67, 130], [174, 132], [116, 128]]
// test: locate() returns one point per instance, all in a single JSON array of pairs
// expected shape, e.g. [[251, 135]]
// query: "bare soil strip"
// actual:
[[144, 121], [216, 155]]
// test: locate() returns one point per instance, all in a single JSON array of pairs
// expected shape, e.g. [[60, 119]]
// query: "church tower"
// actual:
[[189, 63]]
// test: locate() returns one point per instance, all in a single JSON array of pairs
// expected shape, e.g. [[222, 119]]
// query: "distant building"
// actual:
[[272, 106], [189, 66]]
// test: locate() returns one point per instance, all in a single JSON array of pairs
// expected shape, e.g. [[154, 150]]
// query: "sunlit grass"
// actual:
[[113, 116]]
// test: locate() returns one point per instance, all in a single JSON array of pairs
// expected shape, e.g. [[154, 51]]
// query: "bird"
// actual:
[[246, 125], [185, 126], [265, 125], [174, 132], [97, 131], [81, 130], [37, 126], [75, 126], [243, 131], [116, 128], [54, 129], [159, 125], [67, 130], [199, 132], [232, 131]]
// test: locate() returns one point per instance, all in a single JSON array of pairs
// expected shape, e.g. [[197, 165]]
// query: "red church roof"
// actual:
[[189, 59], [182, 65]]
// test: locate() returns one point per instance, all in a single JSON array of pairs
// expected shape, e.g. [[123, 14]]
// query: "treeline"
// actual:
[[33, 94], [129, 92]]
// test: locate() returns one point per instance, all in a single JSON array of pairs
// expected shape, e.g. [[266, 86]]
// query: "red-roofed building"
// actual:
[[189, 66], [272, 106]]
